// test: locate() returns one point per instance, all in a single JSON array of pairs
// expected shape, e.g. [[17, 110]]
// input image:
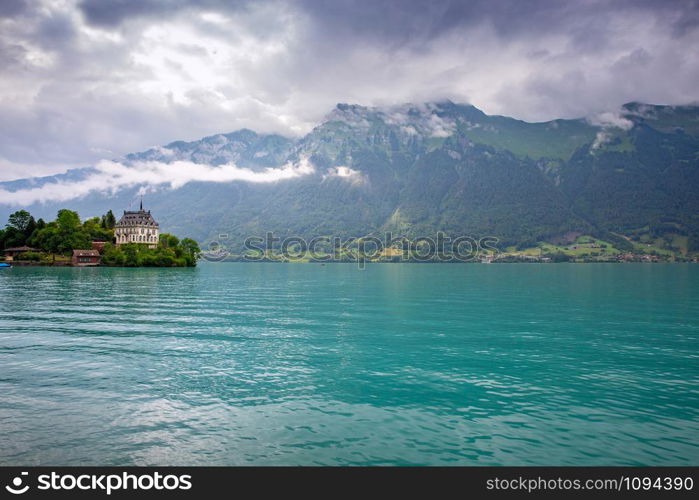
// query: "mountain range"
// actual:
[[412, 170]]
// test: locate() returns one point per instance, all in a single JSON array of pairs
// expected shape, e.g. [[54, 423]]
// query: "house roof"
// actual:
[[86, 253], [22, 249]]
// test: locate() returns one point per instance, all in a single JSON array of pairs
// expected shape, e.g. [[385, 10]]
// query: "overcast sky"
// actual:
[[87, 80]]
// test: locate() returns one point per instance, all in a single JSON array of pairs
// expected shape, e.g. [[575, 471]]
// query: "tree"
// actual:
[[95, 229], [560, 257], [48, 238], [168, 240], [112, 255], [19, 220], [70, 234], [191, 250], [20, 226], [110, 220], [14, 238], [130, 254], [68, 220], [30, 228]]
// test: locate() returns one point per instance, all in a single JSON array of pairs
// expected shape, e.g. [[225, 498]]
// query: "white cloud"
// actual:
[[346, 173], [601, 139], [610, 119], [111, 176], [422, 117], [607, 121]]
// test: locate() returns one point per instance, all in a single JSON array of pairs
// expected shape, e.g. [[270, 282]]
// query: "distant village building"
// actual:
[[86, 258], [137, 227]]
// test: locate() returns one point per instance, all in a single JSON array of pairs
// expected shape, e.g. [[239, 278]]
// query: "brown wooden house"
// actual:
[[86, 258], [11, 253]]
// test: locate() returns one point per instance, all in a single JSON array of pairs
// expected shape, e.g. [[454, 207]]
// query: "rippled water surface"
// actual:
[[307, 364]]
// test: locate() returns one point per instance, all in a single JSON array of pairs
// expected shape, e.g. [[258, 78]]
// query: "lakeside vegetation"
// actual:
[[573, 248], [51, 243]]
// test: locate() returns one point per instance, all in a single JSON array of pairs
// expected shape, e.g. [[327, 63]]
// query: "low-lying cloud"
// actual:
[[111, 176], [345, 173], [609, 119]]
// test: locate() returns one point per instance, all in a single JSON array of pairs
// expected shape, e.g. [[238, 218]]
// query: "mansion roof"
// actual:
[[137, 218]]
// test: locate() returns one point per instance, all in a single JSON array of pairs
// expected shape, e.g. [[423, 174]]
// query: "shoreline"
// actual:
[[67, 264], [241, 261]]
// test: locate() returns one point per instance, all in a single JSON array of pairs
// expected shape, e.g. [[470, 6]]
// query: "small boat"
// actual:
[[4, 265]]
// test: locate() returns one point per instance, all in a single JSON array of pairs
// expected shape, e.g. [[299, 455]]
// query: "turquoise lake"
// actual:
[[396, 364]]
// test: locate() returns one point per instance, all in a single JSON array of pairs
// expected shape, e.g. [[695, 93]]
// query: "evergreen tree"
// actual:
[[110, 220], [30, 228]]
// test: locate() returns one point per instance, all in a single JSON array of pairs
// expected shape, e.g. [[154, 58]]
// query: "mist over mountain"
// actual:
[[413, 170]]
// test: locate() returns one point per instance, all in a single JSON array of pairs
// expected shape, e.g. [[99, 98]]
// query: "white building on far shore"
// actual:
[[137, 226]]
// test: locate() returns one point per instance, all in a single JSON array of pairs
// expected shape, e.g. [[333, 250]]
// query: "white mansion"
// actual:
[[137, 227]]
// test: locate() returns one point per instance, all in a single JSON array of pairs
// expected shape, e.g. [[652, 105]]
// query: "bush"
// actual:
[[30, 256], [558, 257], [137, 255], [112, 256]]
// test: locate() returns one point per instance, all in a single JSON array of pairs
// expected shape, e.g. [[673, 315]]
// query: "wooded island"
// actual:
[[69, 241]]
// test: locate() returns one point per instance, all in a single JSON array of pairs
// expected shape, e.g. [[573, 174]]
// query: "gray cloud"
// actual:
[[9, 8], [111, 13], [124, 75]]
